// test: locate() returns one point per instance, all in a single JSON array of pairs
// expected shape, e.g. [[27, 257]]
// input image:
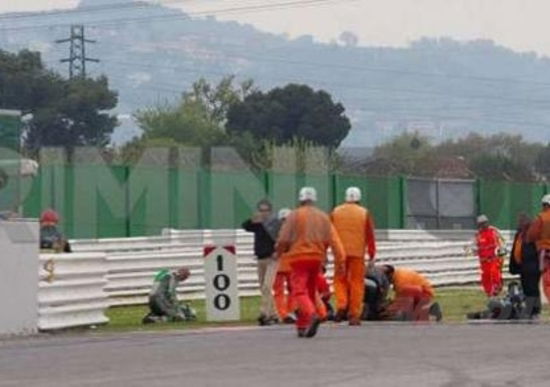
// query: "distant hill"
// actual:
[[441, 87]]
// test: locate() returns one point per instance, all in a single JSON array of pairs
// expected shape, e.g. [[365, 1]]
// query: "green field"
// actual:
[[455, 304]]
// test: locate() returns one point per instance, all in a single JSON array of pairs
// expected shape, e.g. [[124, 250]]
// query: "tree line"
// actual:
[[500, 156], [78, 112]]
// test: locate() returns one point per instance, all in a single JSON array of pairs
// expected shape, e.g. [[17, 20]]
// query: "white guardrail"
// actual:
[[72, 290], [76, 288]]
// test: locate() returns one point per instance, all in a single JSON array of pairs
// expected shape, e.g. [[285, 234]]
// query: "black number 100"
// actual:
[[221, 283]]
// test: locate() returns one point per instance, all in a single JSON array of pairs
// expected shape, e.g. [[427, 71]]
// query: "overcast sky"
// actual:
[[519, 24]]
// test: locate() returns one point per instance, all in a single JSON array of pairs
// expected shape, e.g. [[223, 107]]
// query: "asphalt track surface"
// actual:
[[483, 355]]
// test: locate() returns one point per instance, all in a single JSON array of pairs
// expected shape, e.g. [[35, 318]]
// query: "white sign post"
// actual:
[[19, 277], [220, 275]]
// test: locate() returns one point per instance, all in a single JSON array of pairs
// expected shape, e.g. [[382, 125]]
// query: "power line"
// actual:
[[353, 86], [261, 58], [189, 15], [91, 9], [378, 70], [387, 71]]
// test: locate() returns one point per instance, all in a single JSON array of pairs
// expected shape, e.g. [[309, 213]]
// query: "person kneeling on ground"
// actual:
[[163, 301], [375, 301], [414, 296]]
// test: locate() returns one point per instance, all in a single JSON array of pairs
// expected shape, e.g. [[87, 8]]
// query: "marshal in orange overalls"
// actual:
[[355, 228], [304, 238], [282, 290], [488, 241], [413, 294], [539, 232]]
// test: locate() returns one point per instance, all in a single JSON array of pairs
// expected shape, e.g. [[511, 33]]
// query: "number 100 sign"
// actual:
[[220, 275]]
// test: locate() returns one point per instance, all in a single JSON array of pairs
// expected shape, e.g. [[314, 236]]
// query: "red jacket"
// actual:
[[488, 241]]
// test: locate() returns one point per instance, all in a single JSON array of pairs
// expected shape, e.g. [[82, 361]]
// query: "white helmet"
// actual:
[[283, 213], [307, 194], [546, 200], [353, 195], [482, 219]]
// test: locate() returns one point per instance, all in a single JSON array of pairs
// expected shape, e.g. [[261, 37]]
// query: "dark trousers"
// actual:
[[161, 307], [530, 284]]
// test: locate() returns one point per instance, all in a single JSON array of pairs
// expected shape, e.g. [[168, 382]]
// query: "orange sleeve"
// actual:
[[517, 248], [370, 237], [427, 287], [535, 230]]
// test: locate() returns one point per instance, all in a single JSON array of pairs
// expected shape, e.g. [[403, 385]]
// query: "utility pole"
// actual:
[[77, 52]]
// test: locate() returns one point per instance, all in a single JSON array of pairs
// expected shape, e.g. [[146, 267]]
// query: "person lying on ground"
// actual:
[[513, 306]]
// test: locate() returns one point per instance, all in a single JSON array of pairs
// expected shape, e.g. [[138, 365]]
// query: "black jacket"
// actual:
[[265, 236], [529, 257]]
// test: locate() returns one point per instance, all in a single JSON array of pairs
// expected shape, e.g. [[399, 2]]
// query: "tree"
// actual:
[[199, 118], [408, 153], [500, 156], [78, 117], [65, 113], [292, 112], [542, 164]]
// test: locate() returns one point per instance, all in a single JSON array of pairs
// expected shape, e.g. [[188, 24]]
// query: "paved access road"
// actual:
[[371, 355]]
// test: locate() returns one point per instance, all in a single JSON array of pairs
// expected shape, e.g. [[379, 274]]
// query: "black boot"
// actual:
[[435, 310], [313, 327]]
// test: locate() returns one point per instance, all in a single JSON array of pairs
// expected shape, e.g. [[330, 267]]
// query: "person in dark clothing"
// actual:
[[513, 306], [163, 301], [377, 286], [50, 237], [265, 227], [524, 261]]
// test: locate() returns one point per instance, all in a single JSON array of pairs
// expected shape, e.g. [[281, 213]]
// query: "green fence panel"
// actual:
[[385, 198], [283, 189], [503, 201], [112, 201], [232, 197], [324, 184], [342, 182], [381, 195], [32, 197], [48, 186], [184, 199], [149, 197], [113, 210], [99, 201], [47, 190], [203, 199], [68, 206], [495, 202], [524, 198], [10, 129]]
